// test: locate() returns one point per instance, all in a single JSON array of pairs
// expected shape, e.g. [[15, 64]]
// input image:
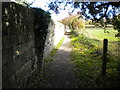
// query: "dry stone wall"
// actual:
[[19, 60], [49, 42], [23, 45], [55, 33]]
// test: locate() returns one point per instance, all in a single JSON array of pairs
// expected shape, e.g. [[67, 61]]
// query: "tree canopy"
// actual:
[[116, 24], [91, 10], [73, 22]]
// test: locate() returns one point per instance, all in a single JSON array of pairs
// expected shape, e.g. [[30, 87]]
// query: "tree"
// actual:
[[73, 22], [116, 24], [91, 10], [95, 11]]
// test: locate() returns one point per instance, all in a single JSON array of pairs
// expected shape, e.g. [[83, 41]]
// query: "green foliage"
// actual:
[[91, 10], [87, 55], [101, 24], [78, 24], [87, 59], [42, 19], [53, 52], [48, 59], [116, 24], [99, 34], [73, 22], [88, 22]]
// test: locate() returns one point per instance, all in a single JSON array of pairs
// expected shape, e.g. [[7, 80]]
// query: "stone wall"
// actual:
[[23, 44], [0, 45], [59, 32], [55, 33], [19, 60], [49, 42]]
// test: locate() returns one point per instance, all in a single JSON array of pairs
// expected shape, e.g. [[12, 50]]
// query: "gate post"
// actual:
[[105, 45]]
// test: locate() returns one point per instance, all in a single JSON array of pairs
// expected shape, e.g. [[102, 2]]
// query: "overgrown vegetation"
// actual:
[[87, 55]]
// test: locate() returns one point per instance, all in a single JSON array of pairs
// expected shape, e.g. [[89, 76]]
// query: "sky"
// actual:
[[42, 4]]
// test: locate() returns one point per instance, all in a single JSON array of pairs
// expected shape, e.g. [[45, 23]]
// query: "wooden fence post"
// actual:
[[105, 44]]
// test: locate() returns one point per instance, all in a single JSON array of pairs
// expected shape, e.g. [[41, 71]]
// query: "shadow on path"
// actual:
[[61, 72]]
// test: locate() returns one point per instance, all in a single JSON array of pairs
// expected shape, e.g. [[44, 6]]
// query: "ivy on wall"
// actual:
[[42, 21]]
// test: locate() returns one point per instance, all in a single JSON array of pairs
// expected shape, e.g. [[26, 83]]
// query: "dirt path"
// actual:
[[61, 73]]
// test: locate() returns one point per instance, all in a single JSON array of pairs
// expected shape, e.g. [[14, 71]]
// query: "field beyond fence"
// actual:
[[87, 53]]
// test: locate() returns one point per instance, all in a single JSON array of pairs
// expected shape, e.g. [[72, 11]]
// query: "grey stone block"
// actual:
[[19, 61], [0, 78], [8, 41], [23, 48], [7, 55], [19, 50], [4, 28], [30, 44], [20, 73], [29, 54], [28, 66], [30, 36], [12, 29], [33, 52], [13, 66], [10, 82], [0, 58], [8, 70], [16, 51], [4, 73], [16, 42]]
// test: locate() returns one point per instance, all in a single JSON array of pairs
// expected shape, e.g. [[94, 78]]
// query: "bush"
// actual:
[[88, 22], [78, 24], [116, 23]]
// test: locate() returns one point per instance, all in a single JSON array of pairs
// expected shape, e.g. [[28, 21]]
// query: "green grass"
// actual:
[[100, 35], [54, 51], [87, 55], [87, 62], [93, 26]]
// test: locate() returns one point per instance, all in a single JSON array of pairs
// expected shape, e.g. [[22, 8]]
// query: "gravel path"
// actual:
[[61, 72]]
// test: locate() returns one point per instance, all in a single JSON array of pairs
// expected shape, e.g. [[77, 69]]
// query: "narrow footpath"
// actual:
[[61, 72]]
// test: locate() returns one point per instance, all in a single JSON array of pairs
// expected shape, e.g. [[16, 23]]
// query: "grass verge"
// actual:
[[87, 55]]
